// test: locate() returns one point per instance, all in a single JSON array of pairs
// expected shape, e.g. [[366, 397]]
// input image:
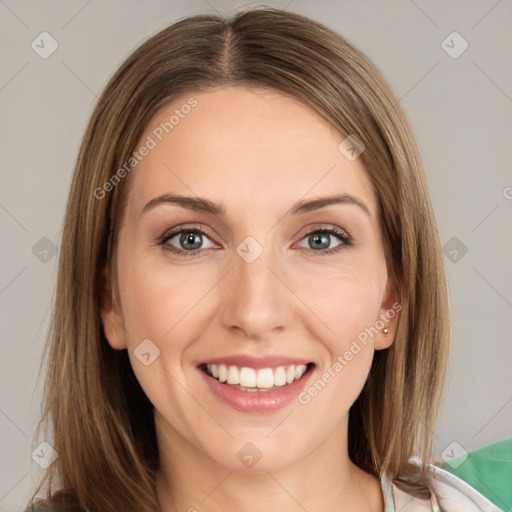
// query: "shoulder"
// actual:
[[488, 470], [450, 494], [404, 502]]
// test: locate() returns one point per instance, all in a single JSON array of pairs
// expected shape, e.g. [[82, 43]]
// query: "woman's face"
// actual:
[[272, 284]]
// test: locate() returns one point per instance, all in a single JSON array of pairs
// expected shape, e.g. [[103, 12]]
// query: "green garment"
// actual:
[[489, 471]]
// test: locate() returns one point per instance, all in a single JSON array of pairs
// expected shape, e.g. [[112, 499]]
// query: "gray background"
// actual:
[[460, 109]]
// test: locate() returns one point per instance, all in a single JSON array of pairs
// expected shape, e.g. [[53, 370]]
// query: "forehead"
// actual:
[[246, 148]]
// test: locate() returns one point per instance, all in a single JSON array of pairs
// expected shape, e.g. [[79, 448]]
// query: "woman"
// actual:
[[251, 307]]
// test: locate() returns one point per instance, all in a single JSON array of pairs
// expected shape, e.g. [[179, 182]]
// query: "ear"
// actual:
[[389, 314], [111, 317]]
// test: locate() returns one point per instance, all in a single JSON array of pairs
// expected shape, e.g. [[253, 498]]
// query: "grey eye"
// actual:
[[188, 240]]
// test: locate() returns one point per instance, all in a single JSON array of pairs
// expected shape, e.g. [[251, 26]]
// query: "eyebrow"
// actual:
[[204, 205]]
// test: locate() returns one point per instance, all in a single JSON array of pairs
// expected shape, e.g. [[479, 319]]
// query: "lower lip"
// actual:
[[257, 401]]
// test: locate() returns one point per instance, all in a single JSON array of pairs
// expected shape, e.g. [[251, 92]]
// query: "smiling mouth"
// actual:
[[256, 380]]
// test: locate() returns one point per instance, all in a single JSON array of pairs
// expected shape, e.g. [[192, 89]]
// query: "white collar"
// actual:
[[451, 494]]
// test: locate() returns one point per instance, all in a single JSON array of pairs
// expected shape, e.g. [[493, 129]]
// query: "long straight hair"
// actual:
[[103, 425]]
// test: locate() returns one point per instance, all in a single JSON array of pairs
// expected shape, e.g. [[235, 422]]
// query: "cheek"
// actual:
[[157, 303], [344, 304], [348, 306], [163, 306]]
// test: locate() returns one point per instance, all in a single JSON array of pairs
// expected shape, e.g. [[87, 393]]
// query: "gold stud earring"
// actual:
[[385, 330]]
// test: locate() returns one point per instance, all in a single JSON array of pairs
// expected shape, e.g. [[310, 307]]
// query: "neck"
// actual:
[[189, 480]]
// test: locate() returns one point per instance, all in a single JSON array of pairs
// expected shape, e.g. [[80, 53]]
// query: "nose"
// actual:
[[259, 303]]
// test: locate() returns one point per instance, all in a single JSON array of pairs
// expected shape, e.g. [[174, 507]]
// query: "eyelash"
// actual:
[[341, 235]]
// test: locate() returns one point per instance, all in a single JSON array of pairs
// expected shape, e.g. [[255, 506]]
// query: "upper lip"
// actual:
[[269, 361]]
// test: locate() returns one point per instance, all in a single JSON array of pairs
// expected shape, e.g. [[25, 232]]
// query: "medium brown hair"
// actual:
[[103, 425]]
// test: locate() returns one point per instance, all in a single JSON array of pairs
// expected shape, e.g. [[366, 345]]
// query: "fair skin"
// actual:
[[257, 153]]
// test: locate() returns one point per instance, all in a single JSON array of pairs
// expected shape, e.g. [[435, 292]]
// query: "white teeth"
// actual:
[[265, 378], [247, 377], [223, 372], [233, 375], [279, 377], [290, 374], [299, 371]]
